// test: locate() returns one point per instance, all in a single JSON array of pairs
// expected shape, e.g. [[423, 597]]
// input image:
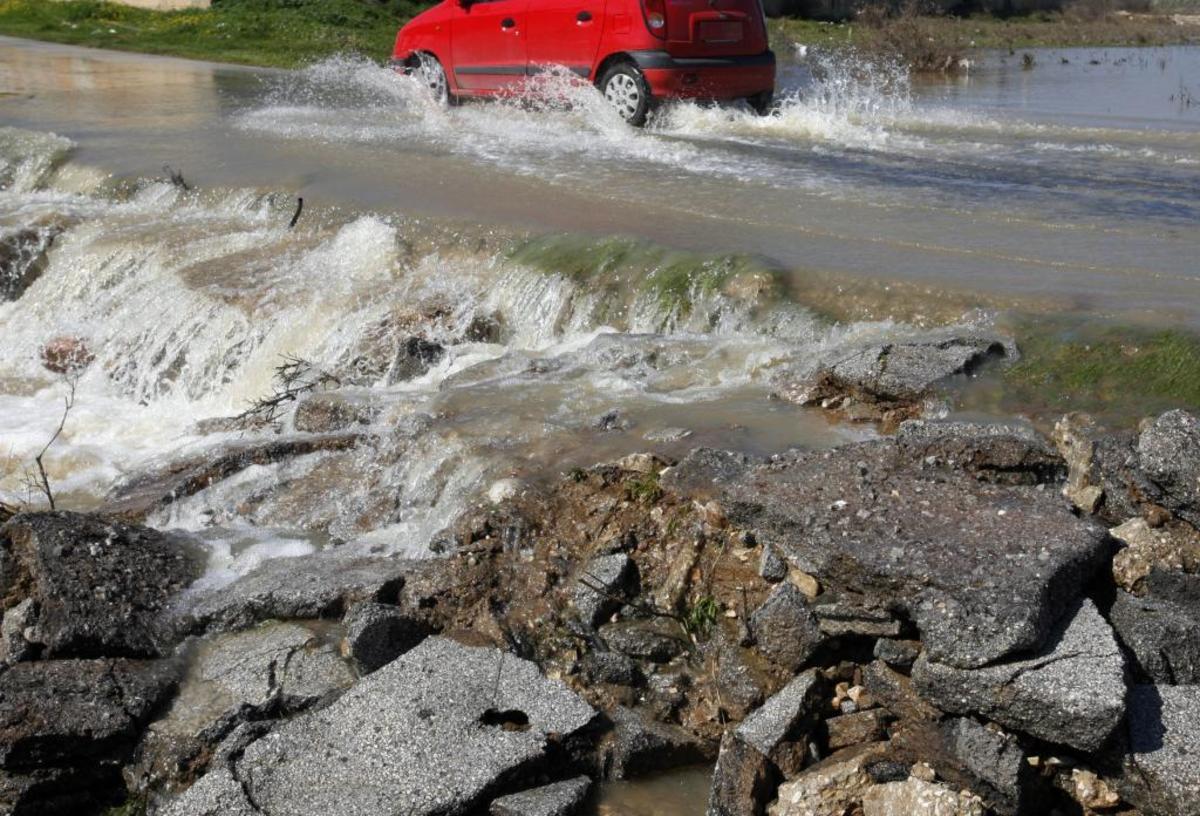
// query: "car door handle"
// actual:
[[583, 17], [508, 22]]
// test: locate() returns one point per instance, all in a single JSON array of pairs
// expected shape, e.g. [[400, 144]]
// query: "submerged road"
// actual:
[[1073, 186]]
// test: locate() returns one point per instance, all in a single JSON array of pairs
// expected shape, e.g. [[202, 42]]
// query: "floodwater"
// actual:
[[1072, 186], [1074, 183]]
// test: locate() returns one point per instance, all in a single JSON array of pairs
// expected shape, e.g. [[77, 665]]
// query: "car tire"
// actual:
[[427, 70], [762, 103], [626, 89]]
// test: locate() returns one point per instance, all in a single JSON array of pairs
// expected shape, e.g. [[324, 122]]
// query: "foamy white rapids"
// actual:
[[187, 303]]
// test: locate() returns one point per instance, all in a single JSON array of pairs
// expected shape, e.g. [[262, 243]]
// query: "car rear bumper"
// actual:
[[706, 77]]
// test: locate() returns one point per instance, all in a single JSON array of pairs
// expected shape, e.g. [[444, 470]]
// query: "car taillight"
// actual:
[[656, 17]]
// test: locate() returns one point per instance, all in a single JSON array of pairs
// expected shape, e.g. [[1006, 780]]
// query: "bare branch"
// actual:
[[294, 378], [43, 483]]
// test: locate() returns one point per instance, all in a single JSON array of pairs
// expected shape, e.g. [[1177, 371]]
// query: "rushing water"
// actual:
[[1071, 186]]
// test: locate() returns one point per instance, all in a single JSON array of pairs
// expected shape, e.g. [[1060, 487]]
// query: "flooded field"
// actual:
[[453, 276]]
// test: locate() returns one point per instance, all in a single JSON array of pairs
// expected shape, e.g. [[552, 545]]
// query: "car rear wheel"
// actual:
[[762, 103], [627, 91], [429, 72]]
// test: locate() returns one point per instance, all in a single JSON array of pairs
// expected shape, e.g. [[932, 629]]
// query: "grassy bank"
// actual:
[[287, 33]]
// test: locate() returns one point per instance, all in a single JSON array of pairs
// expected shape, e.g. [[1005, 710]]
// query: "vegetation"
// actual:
[[702, 616], [1119, 373], [645, 488], [281, 33], [289, 33]]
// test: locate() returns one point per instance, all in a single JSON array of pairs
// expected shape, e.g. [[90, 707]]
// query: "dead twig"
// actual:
[[42, 482], [299, 209], [293, 378], [176, 178]]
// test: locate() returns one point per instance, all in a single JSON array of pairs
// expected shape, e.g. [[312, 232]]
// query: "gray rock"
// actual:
[[995, 759], [899, 654], [99, 588], [1004, 454], [316, 586], [849, 619], [376, 634], [77, 713], [984, 569], [704, 470], [640, 746], [18, 622], [1169, 455], [1071, 693], [271, 671], [856, 728], [771, 566], [613, 420], [558, 799], [602, 586], [60, 791], [894, 376], [1162, 771], [414, 357], [657, 640], [135, 498], [1164, 637], [740, 682], [218, 793], [1172, 586], [770, 743], [432, 732], [23, 258], [784, 628], [612, 668], [326, 412]]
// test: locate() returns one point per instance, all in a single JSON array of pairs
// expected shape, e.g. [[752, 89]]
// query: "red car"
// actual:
[[635, 51]]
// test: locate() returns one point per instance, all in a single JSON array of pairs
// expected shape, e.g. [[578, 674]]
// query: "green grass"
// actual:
[[280, 33], [644, 489], [290, 33], [1118, 373]]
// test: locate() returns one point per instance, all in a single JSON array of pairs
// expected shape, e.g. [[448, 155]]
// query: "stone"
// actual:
[[489, 716], [326, 412], [1162, 774], [984, 569], [135, 498], [890, 381], [485, 328], [784, 628], [848, 619], [271, 671], [1168, 453], [1072, 692], [60, 791], [612, 420], [602, 587], [376, 634], [414, 357], [895, 692], [657, 640], [771, 742], [851, 729], [771, 566], [1163, 637], [1171, 547], [899, 654], [914, 796], [66, 355], [740, 683], [23, 258], [77, 714], [834, 785], [999, 453], [19, 620], [558, 799], [99, 588], [640, 746], [704, 470], [612, 668], [316, 586], [995, 759], [1090, 791]]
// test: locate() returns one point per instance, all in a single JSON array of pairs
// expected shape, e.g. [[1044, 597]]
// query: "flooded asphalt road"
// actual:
[[1071, 186]]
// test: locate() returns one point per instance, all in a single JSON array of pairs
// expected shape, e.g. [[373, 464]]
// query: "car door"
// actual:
[[487, 43], [565, 32]]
